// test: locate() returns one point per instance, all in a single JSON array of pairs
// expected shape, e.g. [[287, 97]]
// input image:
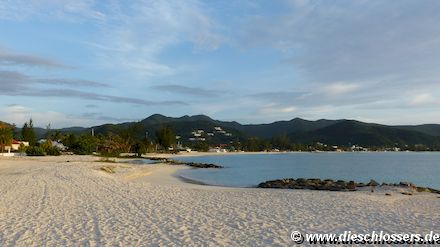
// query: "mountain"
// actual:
[[183, 126], [295, 125], [334, 132], [348, 132], [429, 129]]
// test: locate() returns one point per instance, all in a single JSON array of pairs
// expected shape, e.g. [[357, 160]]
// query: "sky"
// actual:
[[86, 62]]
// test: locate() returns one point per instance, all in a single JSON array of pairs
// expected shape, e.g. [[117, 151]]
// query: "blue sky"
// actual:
[[86, 62]]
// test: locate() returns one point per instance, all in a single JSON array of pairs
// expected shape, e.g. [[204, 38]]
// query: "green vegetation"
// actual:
[[35, 151], [28, 133], [157, 133], [166, 138], [49, 149], [5, 137]]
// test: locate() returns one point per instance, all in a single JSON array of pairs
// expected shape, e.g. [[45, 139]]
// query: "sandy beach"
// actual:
[[68, 200]]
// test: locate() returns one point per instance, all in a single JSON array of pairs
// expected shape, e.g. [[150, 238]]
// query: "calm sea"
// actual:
[[244, 170]]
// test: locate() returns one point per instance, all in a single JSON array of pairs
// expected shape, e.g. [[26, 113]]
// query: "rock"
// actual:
[[423, 189], [373, 183], [335, 188], [408, 184], [351, 186], [202, 165], [331, 185], [406, 193], [301, 181], [361, 185], [434, 190], [192, 164]]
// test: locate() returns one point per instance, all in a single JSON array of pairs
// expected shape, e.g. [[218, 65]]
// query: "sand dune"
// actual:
[[49, 201]]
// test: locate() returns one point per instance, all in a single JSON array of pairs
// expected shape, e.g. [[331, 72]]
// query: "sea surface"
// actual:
[[248, 170]]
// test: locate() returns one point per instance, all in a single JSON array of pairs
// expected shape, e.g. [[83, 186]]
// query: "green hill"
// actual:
[[349, 132], [332, 132]]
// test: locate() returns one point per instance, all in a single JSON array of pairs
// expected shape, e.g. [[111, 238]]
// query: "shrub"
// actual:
[[53, 151], [35, 151]]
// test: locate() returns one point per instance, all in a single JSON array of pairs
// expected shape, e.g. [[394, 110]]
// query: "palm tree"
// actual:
[[5, 137]]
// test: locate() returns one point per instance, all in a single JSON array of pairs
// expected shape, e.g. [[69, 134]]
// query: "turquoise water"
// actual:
[[244, 170]]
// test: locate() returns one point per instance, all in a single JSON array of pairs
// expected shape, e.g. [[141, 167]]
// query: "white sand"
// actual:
[[48, 201]]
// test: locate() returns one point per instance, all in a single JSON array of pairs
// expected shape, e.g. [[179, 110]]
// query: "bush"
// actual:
[[35, 151], [53, 151]]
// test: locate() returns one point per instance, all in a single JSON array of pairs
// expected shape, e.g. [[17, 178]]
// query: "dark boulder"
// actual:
[[373, 183]]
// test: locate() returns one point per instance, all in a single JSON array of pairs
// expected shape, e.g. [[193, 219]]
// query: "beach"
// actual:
[[70, 200]]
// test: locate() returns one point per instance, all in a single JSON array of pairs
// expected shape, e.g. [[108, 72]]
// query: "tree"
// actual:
[[84, 144], [112, 144], [281, 142], [48, 134], [28, 134], [166, 137], [139, 148], [5, 137]]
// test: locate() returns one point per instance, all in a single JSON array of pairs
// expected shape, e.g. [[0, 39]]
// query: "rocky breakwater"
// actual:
[[312, 184], [191, 164], [338, 185]]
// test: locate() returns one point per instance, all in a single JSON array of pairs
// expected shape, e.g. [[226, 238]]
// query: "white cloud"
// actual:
[[19, 114], [353, 41], [340, 88], [138, 32], [17, 109], [65, 10], [275, 109], [423, 99]]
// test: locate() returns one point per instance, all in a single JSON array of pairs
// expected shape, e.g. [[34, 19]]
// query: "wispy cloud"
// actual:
[[71, 82], [66, 10], [274, 109], [138, 32], [339, 88], [424, 99], [17, 84], [355, 40], [172, 88], [12, 58]]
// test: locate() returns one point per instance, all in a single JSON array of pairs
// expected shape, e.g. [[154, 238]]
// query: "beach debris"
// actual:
[[107, 169], [106, 160], [406, 193], [387, 194]]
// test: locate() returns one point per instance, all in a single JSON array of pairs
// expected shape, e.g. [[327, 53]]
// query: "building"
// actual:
[[16, 145]]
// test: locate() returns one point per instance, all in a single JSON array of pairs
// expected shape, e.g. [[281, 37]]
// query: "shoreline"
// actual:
[[201, 154]]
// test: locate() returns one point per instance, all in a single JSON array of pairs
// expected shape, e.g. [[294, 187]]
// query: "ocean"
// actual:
[[248, 170]]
